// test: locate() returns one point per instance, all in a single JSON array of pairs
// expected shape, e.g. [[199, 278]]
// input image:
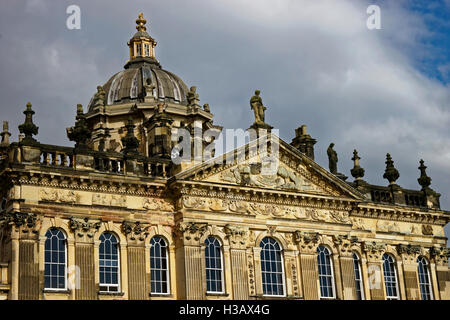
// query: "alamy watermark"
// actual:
[[74, 19], [374, 20]]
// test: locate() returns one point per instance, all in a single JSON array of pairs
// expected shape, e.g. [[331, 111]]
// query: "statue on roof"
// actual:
[[332, 159], [99, 97], [258, 108]]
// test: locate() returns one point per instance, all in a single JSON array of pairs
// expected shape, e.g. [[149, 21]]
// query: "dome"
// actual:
[[142, 73], [129, 84]]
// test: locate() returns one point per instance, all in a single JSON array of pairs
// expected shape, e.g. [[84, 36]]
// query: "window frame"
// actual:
[[283, 275], [332, 276], [394, 265], [357, 263], [167, 267], [65, 261], [119, 278], [222, 269], [426, 266]]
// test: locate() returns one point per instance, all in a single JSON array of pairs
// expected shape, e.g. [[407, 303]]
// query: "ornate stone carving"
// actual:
[[191, 231], [25, 222], [359, 224], [195, 203], [65, 196], [83, 227], [344, 243], [135, 230], [340, 216], [387, 226], [440, 255], [316, 215], [409, 252], [157, 204], [307, 240], [427, 230], [374, 250], [251, 275], [415, 229], [236, 235], [250, 174], [109, 200], [48, 195], [294, 279]]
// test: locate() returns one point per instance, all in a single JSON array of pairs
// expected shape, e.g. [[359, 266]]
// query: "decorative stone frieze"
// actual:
[[155, 204], [53, 195]]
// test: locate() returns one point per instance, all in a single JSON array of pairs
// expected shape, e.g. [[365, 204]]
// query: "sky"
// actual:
[[315, 62]]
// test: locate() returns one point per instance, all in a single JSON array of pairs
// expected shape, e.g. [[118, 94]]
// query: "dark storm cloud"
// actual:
[[315, 62]]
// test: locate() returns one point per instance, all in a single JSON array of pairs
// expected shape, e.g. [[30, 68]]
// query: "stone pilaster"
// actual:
[[138, 279], [440, 258], [307, 244], [239, 270], [409, 254], [190, 262], [344, 245], [84, 231], [374, 253]]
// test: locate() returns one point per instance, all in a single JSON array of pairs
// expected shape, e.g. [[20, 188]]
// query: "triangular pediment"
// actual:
[[290, 171]]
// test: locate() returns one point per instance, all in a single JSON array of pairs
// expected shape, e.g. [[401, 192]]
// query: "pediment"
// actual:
[[291, 171]]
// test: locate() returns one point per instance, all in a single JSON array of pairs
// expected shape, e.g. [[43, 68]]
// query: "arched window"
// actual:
[[159, 266], [358, 277], [55, 260], [390, 277], [214, 270], [426, 292], [272, 268], [326, 275], [109, 263]]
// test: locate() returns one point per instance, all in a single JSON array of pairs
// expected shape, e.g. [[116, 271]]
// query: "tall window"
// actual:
[[159, 266], [358, 278], [390, 277], [109, 263], [326, 276], [214, 270], [146, 50], [138, 50], [272, 268], [55, 260], [426, 292]]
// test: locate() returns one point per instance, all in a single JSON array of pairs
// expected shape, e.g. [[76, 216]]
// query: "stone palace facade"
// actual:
[[115, 218]]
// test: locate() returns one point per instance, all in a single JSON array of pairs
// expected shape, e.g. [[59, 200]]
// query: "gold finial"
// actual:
[[140, 21]]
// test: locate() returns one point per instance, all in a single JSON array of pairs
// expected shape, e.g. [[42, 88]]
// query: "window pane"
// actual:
[[159, 271], [271, 267]]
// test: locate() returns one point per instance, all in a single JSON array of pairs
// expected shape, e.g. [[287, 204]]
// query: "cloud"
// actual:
[[315, 62]]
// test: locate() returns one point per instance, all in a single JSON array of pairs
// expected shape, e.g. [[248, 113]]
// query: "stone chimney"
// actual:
[[303, 142]]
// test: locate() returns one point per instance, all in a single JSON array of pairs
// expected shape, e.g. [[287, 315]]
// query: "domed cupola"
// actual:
[[141, 73], [133, 101]]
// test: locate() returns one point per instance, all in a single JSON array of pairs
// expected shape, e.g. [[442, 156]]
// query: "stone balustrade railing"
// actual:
[[89, 160]]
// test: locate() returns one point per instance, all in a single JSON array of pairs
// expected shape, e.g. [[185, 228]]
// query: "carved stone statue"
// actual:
[[258, 108], [99, 97], [193, 97], [149, 86], [332, 159]]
